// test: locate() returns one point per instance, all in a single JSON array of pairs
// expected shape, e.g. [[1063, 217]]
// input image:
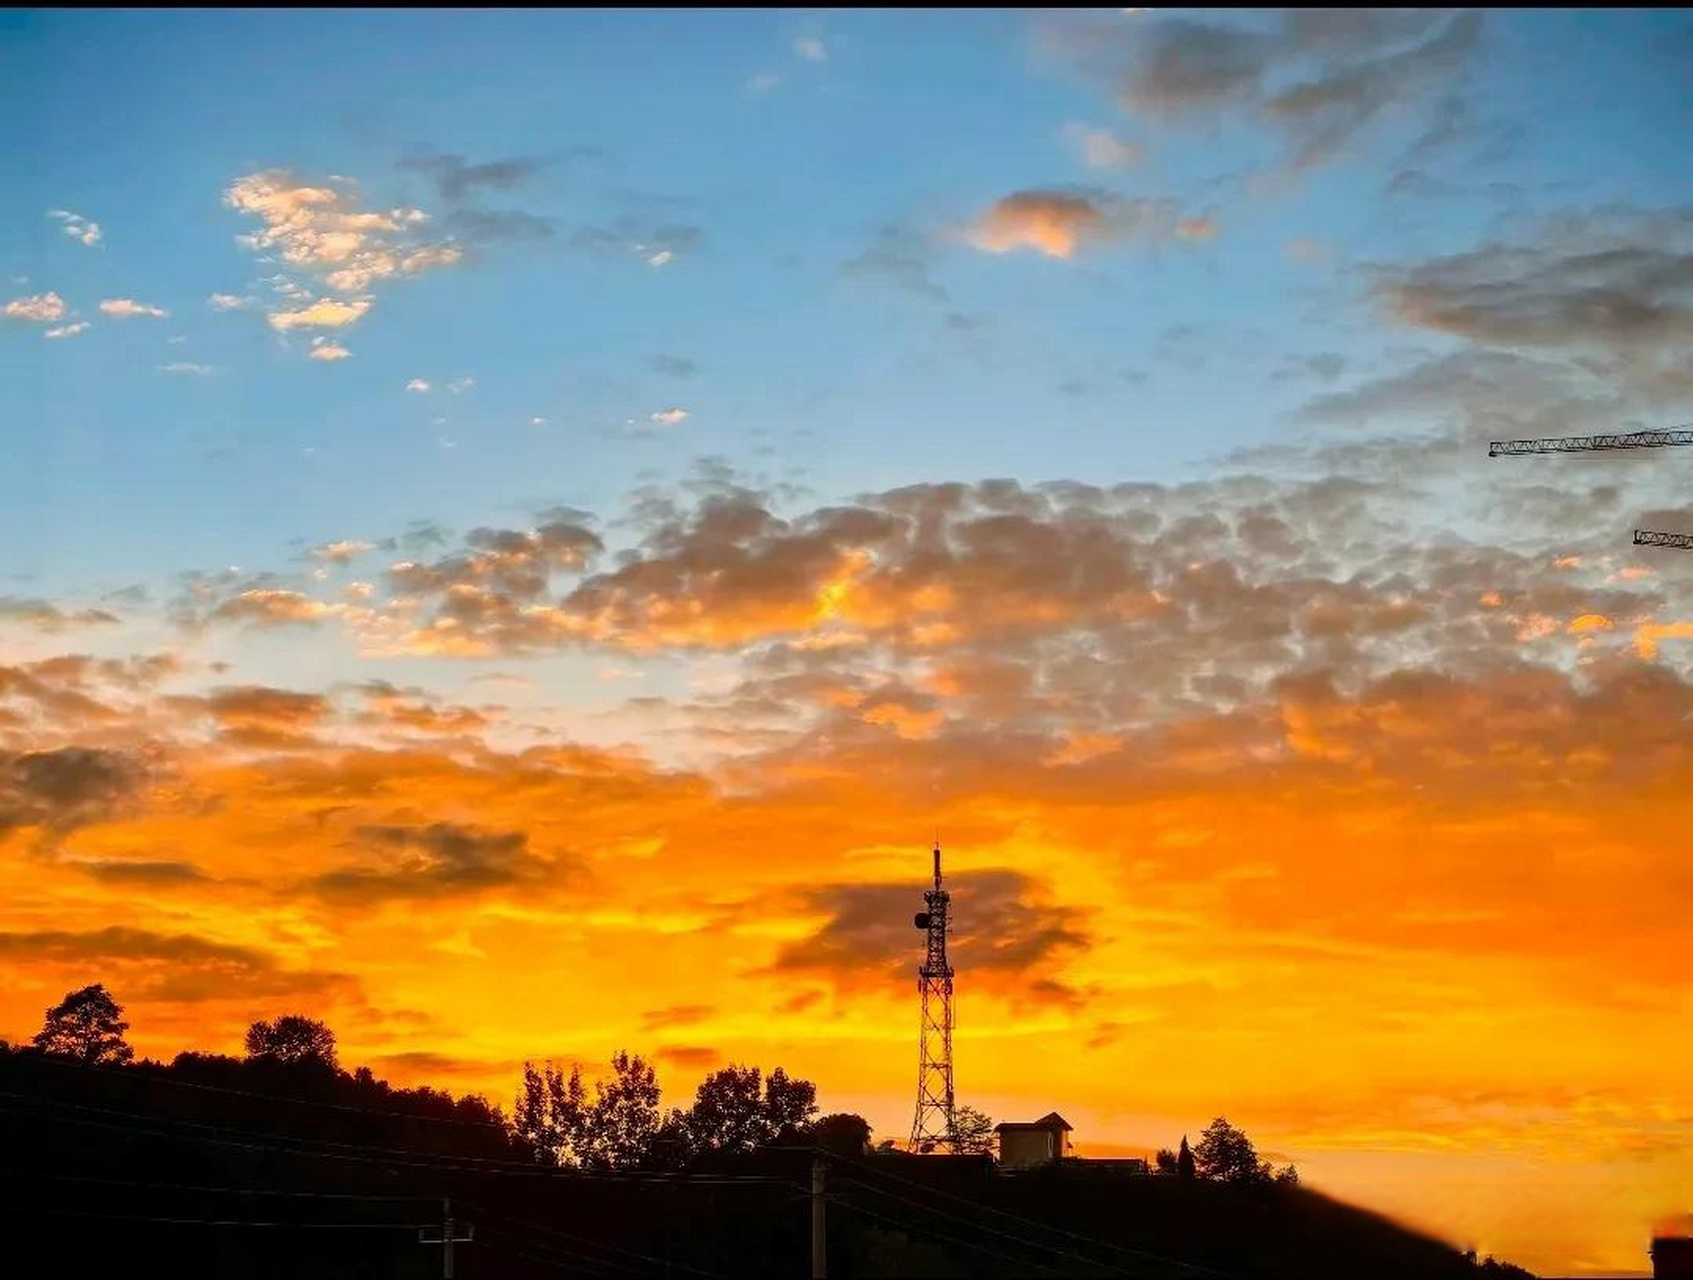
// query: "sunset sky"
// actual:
[[517, 529]]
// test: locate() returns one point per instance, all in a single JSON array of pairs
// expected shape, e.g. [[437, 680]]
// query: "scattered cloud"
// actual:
[[68, 330], [419, 386], [811, 49], [77, 227], [186, 367], [325, 235], [126, 308], [1061, 223], [670, 417], [456, 178], [230, 301], [1101, 148], [323, 313], [458, 386], [41, 308], [1319, 78], [42, 615], [327, 349]]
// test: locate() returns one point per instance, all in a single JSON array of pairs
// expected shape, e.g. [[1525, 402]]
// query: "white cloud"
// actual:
[[342, 551], [670, 417], [326, 349], [68, 330], [458, 386], [77, 227], [229, 302], [184, 366], [124, 308], [418, 385], [811, 48], [324, 234], [1101, 148], [664, 257], [40, 307], [325, 313], [764, 81], [537, 422]]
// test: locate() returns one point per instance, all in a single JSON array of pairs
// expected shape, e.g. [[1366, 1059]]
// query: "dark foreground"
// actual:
[[149, 1173]]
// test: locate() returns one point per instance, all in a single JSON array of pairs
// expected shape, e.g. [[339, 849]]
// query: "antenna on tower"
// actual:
[[935, 1124]]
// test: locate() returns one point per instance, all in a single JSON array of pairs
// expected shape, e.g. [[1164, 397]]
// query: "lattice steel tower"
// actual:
[[935, 1125]]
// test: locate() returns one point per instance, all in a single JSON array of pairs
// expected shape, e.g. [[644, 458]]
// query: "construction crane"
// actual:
[[1667, 439]]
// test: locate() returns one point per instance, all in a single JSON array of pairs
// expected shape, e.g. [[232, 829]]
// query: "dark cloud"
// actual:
[[688, 1057], [1007, 932], [676, 1015], [143, 872], [672, 366], [1319, 77], [1616, 284], [441, 859], [456, 178], [657, 243], [167, 967], [42, 616], [897, 259], [64, 788]]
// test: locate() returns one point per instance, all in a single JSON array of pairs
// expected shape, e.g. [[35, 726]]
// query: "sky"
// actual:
[[518, 529]]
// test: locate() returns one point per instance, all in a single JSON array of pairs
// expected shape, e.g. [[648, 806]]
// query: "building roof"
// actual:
[[1051, 1120]]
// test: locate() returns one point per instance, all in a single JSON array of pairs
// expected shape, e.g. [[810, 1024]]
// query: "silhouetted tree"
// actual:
[[1287, 1177], [87, 1025], [567, 1113], [1225, 1154], [1165, 1162], [789, 1103], [624, 1118], [728, 1112], [974, 1131], [292, 1038], [529, 1121], [1184, 1160], [842, 1132]]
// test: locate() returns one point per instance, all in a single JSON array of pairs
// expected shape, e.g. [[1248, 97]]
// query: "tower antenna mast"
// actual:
[[935, 1125]]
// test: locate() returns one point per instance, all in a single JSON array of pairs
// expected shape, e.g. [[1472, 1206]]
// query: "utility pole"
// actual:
[[448, 1236], [819, 1230]]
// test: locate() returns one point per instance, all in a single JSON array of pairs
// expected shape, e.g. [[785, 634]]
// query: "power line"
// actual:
[[358, 1152], [944, 1237], [664, 1263], [870, 1167], [158, 1077], [33, 1210], [149, 1185]]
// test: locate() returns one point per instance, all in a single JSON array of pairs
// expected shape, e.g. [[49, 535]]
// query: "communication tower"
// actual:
[[935, 1127]]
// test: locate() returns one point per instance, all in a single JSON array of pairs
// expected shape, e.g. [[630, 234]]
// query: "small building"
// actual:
[[1043, 1141], [1672, 1258]]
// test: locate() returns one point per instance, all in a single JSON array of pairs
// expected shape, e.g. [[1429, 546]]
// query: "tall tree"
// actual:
[[1167, 1163], [292, 1038], [624, 1117], [974, 1130], [1225, 1154], [789, 1103], [529, 1121], [567, 1114], [729, 1111], [842, 1132], [87, 1025], [1184, 1160]]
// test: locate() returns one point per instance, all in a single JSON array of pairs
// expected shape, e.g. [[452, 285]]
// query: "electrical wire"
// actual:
[[867, 1166]]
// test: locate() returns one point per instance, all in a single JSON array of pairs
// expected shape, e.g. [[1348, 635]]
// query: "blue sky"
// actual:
[[141, 121]]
